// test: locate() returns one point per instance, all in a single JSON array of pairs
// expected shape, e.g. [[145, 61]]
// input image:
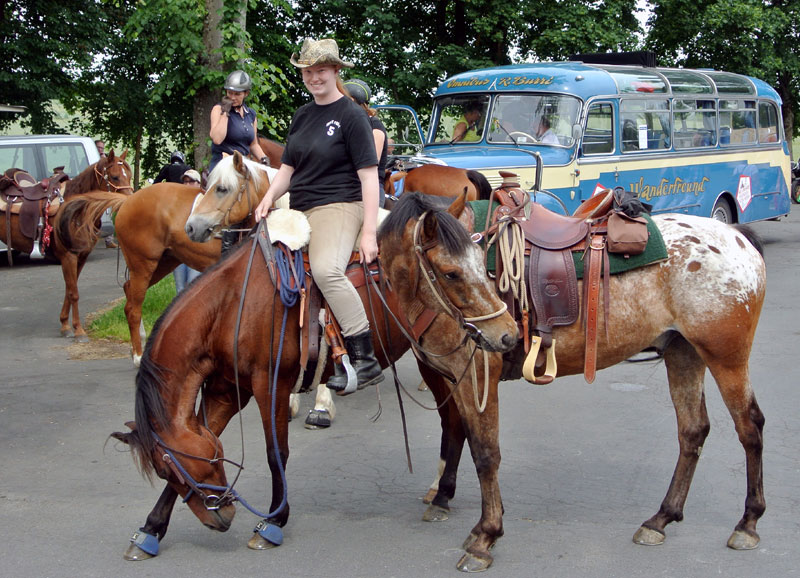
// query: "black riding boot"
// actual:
[[362, 357]]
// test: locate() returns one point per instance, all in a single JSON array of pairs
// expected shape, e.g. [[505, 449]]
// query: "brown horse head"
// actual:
[[112, 173], [235, 187], [432, 261], [184, 453]]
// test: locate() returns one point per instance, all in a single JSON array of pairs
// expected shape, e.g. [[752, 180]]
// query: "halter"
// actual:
[[429, 273], [103, 177], [226, 220]]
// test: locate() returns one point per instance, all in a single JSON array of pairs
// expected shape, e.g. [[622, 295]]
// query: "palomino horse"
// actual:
[[151, 236], [109, 173], [195, 341], [438, 181], [700, 307]]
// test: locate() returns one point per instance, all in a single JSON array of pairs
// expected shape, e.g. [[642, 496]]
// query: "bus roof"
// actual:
[[589, 80]]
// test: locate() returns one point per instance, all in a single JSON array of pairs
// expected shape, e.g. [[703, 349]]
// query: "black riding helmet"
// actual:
[[177, 157], [358, 89]]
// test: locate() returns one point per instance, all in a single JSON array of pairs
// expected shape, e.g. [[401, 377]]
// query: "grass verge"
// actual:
[[111, 324]]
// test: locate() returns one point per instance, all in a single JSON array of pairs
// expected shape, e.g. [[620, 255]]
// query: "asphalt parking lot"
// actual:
[[583, 465]]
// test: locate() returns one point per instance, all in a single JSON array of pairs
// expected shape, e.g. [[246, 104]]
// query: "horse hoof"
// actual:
[[422, 386], [471, 563], [647, 537], [741, 540], [428, 499], [137, 359], [82, 338], [259, 543], [318, 419], [436, 514], [67, 333], [134, 553]]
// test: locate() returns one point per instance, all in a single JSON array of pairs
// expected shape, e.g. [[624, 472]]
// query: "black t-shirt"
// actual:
[[376, 123], [326, 145], [172, 173]]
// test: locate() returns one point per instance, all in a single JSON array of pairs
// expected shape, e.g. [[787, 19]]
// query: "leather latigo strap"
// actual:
[[591, 281]]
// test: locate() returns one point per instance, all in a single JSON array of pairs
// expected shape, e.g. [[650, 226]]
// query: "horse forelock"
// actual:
[[226, 176], [449, 231]]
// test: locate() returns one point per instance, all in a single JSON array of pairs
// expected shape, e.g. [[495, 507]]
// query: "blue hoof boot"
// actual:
[[146, 542], [270, 532]]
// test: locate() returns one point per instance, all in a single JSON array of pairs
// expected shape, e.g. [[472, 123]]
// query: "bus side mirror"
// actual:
[[577, 133]]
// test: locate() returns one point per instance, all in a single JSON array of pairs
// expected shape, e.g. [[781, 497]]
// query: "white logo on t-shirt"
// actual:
[[332, 126]]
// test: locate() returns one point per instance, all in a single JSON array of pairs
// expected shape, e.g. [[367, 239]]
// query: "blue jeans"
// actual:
[[183, 276]]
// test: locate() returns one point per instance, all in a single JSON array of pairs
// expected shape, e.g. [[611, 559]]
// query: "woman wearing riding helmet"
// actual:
[[233, 123], [360, 93], [330, 166]]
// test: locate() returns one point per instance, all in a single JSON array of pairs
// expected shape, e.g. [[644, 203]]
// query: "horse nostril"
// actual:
[[508, 340]]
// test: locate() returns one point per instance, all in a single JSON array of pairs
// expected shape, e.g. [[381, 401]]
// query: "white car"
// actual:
[[40, 154]]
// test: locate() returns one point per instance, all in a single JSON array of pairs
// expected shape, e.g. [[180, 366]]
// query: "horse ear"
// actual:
[[123, 155], [238, 164], [110, 156], [457, 206], [430, 227]]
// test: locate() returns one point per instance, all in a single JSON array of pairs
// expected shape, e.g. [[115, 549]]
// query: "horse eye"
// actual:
[[450, 275]]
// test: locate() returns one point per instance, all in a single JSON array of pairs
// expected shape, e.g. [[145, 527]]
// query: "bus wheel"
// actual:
[[796, 192], [722, 212]]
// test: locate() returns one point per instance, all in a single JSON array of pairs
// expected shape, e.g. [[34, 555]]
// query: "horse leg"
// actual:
[[77, 327], [451, 447], [69, 268], [220, 407], [267, 533], [481, 430], [324, 410], [135, 289], [685, 372]]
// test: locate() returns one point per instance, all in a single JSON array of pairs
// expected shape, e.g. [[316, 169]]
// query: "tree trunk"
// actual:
[[785, 92], [206, 98]]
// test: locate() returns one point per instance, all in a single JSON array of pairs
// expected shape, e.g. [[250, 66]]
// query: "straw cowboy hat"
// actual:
[[313, 52]]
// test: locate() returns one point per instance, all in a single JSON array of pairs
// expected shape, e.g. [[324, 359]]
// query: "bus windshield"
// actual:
[[544, 119]]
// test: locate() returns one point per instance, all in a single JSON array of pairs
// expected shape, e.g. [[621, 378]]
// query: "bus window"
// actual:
[[467, 111], [695, 124], [645, 124], [518, 118], [767, 122], [737, 120], [599, 135]]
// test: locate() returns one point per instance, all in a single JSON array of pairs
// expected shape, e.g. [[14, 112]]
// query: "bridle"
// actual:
[[102, 177], [226, 219], [429, 274]]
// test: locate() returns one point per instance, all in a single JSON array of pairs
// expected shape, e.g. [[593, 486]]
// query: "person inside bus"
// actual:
[[466, 128], [544, 133], [630, 136]]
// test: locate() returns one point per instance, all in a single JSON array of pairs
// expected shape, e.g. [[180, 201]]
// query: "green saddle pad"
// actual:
[[655, 252]]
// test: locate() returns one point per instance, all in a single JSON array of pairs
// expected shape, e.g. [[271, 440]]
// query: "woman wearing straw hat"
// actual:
[[330, 166]]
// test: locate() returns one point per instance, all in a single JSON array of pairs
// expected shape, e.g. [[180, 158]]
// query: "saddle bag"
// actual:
[[626, 235]]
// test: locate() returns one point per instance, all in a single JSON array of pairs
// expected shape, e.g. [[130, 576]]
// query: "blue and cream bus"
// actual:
[[704, 142]]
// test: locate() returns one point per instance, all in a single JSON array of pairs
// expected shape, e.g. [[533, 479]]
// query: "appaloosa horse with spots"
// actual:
[[700, 307]]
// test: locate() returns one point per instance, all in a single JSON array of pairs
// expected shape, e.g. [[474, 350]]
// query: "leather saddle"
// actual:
[[23, 195], [551, 282]]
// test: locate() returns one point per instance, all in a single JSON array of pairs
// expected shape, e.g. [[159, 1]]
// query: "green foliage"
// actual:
[[113, 325]]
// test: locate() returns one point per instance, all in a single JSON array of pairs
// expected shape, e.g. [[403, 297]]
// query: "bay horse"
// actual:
[[700, 307], [111, 172], [195, 342], [439, 181], [151, 236]]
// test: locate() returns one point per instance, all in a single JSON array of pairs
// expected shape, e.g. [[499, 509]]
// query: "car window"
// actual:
[[71, 156], [19, 157]]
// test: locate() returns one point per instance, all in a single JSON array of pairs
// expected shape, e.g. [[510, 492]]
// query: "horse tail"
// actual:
[[753, 237], [75, 225], [481, 185]]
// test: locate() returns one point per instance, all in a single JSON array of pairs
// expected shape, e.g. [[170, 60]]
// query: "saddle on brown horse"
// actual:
[[33, 201], [543, 290]]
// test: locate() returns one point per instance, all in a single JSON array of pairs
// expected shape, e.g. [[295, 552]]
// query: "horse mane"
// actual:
[[412, 205], [85, 181], [482, 185], [226, 176]]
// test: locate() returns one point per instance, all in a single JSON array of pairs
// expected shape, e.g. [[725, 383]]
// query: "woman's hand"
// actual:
[[368, 247]]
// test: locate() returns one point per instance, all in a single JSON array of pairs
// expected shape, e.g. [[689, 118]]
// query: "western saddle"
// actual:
[[34, 202], [536, 273]]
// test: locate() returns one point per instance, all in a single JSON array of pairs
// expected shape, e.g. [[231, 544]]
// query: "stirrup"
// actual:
[[350, 376], [529, 367]]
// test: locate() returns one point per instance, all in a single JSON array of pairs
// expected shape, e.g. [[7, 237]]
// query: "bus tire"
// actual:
[[722, 212], [796, 192]]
